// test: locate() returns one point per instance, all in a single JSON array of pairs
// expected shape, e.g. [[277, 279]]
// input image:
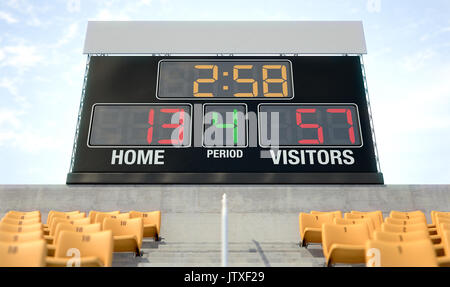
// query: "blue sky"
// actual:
[[42, 67]]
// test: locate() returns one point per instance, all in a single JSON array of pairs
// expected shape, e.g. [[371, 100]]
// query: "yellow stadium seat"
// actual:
[[14, 221], [414, 220], [441, 220], [23, 216], [100, 218], [374, 216], [152, 222], [95, 249], [57, 220], [54, 213], [6, 236], [25, 213], [336, 213], [375, 212], [65, 226], [445, 260], [419, 253], [66, 216], [93, 214], [23, 254], [407, 215], [434, 213], [310, 226], [403, 228], [20, 228], [367, 220], [127, 233], [344, 243], [401, 236]]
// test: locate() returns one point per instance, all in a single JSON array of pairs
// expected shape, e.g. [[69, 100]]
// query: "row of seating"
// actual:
[[402, 239], [92, 239]]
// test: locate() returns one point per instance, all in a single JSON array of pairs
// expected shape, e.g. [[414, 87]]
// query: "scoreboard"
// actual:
[[222, 118]]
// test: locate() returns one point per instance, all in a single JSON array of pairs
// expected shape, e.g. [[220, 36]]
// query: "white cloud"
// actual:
[[21, 56], [69, 33], [417, 60], [8, 18]]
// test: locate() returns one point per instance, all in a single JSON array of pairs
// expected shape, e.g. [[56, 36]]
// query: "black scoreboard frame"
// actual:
[[133, 80]]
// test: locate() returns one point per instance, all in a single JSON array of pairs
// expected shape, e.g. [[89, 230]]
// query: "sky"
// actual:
[[42, 68]]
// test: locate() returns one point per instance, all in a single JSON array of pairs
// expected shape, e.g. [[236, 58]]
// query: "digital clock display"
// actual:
[[225, 79]]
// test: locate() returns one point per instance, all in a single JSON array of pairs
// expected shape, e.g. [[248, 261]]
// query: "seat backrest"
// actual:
[[150, 217], [54, 213], [407, 215], [99, 244], [20, 228], [15, 221], [131, 226], [88, 228], [56, 221], [445, 235], [23, 216], [307, 220], [367, 220], [440, 221], [67, 216], [401, 236], [93, 214], [375, 212], [387, 227], [434, 213], [353, 234], [337, 213], [444, 226], [418, 253], [398, 221], [6, 236], [374, 216], [100, 218], [24, 213], [23, 254]]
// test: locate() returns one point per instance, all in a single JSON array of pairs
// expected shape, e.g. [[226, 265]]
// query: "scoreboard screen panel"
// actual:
[[219, 120]]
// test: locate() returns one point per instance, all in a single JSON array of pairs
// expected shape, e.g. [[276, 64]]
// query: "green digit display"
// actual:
[[225, 125]]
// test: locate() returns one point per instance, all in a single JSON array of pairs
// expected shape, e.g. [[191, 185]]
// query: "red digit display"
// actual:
[[351, 130], [309, 126], [174, 126], [151, 118]]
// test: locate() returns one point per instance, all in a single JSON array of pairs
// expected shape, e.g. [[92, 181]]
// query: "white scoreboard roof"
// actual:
[[228, 37]]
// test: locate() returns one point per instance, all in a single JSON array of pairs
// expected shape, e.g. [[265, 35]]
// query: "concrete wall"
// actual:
[[192, 213]]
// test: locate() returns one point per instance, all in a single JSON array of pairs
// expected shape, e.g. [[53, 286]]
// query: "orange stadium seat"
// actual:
[[24, 213], [100, 218], [403, 228], [152, 222], [310, 226], [95, 249], [435, 213], [23, 254], [6, 236], [407, 215], [54, 213], [368, 221], [376, 212], [15, 221], [93, 214], [398, 221], [20, 228], [65, 226], [22, 216], [127, 234], [336, 213], [418, 253], [57, 220], [374, 216], [401, 236], [344, 243]]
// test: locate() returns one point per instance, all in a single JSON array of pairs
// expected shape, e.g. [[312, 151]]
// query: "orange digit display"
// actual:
[[215, 71], [267, 81], [254, 83]]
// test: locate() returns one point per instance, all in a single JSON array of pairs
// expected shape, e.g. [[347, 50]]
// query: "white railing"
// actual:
[[224, 231]]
